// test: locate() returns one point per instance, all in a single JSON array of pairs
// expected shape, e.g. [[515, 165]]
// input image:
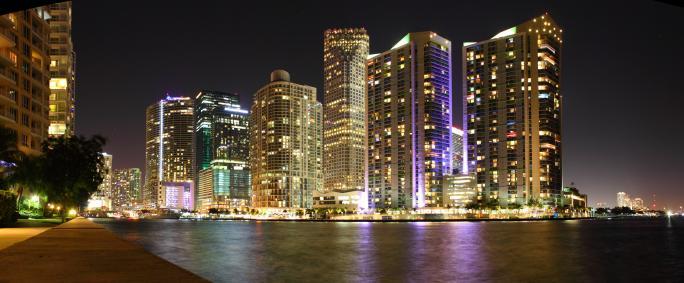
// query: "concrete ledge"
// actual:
[[82, 251]]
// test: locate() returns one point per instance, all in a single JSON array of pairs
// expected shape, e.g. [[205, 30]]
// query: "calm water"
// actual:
[[552, 251]]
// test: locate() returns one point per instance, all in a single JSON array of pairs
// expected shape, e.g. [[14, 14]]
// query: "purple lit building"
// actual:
[[409, 122], [169, 151]]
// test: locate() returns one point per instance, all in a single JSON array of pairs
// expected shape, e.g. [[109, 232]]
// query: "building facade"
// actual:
[[225, 184], [409, 122], [456, 150], [169, 151], [344, 110], [103, 197], [126, 186], [459, 190], [572, 198], [222, 150], [286, 145], [623, 200], [512, 106], [62, 71], [25, 77]]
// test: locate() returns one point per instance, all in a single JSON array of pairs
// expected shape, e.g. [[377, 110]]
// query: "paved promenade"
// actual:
[[82, 251], [11, 236]]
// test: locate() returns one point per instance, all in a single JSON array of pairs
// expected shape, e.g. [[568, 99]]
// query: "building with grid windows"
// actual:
[[409, 122], [344, 110], [512, 113], [25, 77], [62, 71], [456, 150], [222, 150], [286, 145], [126, 185], [169, 151]]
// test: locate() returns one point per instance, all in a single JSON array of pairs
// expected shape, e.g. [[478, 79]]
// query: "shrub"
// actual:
[[8, 208]]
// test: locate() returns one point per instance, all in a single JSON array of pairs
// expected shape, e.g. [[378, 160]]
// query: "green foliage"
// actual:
[[473, 205], [533, 202], [622, 211], [72, 169], [8, 208], [31, 206], [514, 206]]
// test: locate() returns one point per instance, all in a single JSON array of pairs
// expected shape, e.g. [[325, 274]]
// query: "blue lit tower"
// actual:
[[409, 122]]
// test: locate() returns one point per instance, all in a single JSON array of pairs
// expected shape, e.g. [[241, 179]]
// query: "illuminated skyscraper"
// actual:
[[62, 71], [286, 144], [623, 200], [457, 150], [106, 186], [126, 188], [225, 184], [222, 150], [512, 113], [102, 198], [169, 151], [409, 122], [25, 77], [344, 109]]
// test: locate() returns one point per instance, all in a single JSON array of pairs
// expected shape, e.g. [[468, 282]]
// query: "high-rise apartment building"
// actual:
[[409, 122], [637, 204], [106, 186], [344, 109], [456, 150], [512, 113], [169, 151], [62, 71], [623, 200], [222, 150], [126, 187], [103, 197], [25, 77], [286, 144]]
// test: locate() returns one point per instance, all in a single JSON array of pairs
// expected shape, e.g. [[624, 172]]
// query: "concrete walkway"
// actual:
[[82, 251], [11, 236]]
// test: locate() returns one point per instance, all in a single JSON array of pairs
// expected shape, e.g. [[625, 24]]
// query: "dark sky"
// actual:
[[622, 70]]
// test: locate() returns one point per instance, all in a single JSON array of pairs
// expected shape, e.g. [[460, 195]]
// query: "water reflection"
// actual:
[[642, 250]]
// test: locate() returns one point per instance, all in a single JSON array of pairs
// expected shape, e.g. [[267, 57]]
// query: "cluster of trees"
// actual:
[[615, 211], [67, 173]]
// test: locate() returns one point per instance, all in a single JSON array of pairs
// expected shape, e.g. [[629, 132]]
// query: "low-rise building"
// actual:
[[177, 195], [573, 198], [346, 200], [459, 190]]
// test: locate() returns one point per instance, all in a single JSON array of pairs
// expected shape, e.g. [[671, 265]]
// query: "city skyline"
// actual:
[[592, 175]]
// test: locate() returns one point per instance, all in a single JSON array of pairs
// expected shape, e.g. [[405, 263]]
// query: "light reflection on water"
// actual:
[[240, 251]]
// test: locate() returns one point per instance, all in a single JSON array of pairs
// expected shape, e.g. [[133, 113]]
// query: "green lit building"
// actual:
[[222, 150]]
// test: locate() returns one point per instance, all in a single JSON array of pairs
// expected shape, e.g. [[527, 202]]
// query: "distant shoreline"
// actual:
[[378, 220]]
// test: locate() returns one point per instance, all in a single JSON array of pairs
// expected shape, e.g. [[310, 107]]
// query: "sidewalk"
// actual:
[[82, 251], [11, 236]]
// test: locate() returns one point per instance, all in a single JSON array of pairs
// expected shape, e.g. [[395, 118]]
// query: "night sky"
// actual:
[[622, 70]]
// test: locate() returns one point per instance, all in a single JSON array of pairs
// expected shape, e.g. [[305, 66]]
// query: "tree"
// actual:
[[514, 206], [9, 154], [213, 210], [473, 205], [28, 173], [73, 168]]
